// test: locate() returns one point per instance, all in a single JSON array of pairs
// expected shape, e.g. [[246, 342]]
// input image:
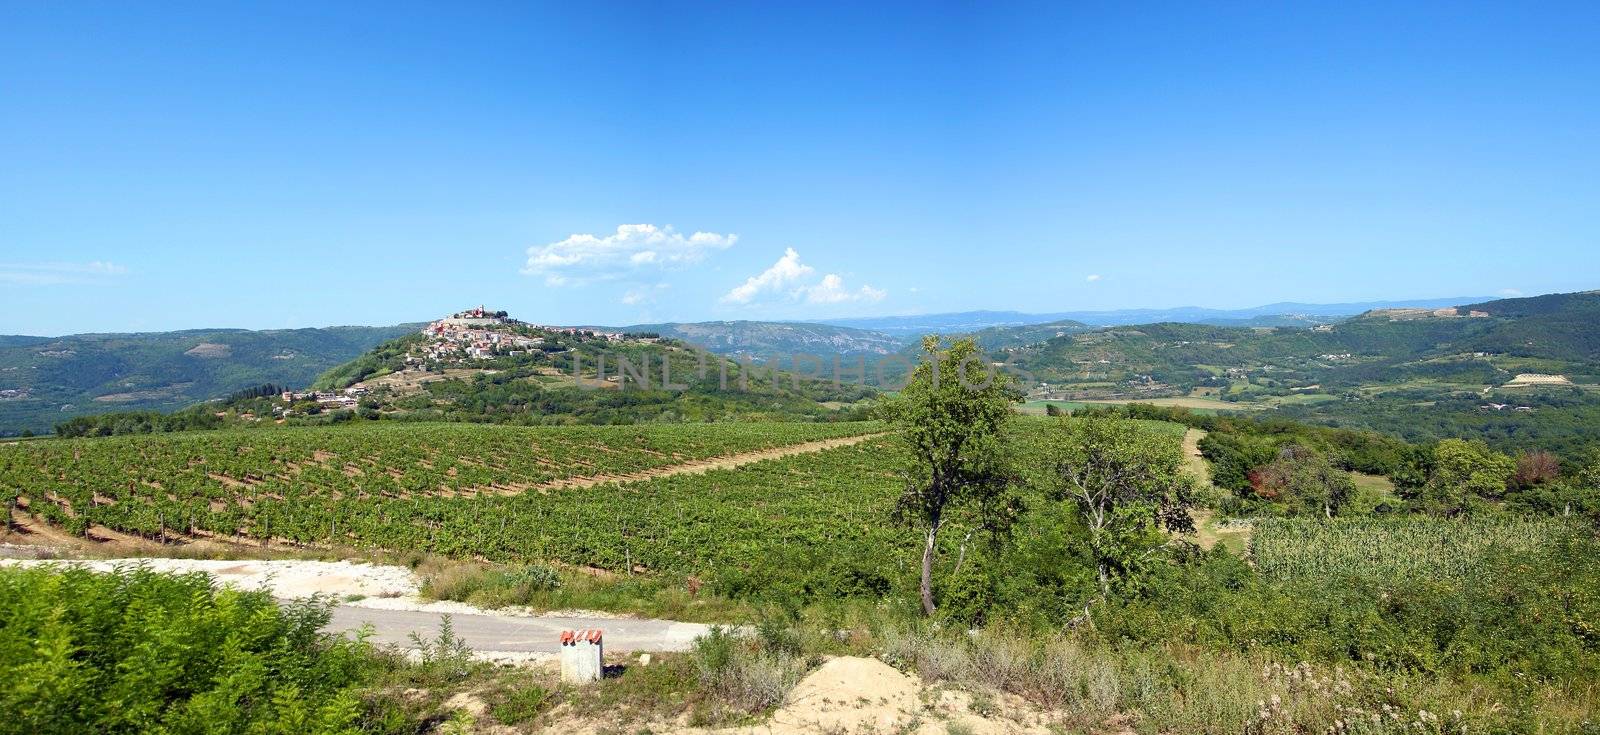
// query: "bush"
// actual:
[[443, 659], [743, 676], [489, 586], [137, 651]]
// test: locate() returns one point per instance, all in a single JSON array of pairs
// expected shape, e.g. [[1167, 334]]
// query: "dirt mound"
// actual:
[[850, 694], [864, 695]]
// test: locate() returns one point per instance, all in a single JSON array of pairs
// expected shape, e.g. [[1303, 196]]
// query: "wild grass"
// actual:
[[1182, 689], [744, 675]]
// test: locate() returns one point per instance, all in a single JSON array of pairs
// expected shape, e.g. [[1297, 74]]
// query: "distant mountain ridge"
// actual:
[[1479, 345], [1287, 311], [766, 339]]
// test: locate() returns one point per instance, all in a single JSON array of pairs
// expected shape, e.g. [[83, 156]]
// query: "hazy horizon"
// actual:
[[826, 320]]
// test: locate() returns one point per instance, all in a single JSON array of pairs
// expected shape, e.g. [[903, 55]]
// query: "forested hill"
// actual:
[[44, 380], [1559, 326], [1487, 343], [995, 338]]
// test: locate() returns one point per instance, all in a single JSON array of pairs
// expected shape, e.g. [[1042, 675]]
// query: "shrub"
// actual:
[[741, 675], [522, 704], [137, 651], [443, 659]]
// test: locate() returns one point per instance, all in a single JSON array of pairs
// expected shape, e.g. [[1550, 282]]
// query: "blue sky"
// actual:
[[170, 166]]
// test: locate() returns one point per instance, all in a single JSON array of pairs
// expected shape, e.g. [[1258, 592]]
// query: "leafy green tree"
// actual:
[[950, 416], [1464, 473], [1124, 481], [1304, 481]]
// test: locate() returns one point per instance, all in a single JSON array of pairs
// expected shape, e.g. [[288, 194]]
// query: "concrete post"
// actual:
[[580, 656]]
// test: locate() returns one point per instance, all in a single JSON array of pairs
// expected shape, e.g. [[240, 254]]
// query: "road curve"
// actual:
[[487, 633]]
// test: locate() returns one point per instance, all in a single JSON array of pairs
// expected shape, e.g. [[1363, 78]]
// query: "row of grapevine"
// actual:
[[1397, 550], [813, 522], [145, 483]]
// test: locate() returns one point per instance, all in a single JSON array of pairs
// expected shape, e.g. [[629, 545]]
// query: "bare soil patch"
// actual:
[[209, 350], [725, 462]]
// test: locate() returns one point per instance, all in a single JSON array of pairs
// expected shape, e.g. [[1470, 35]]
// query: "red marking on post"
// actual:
[[566, 637]]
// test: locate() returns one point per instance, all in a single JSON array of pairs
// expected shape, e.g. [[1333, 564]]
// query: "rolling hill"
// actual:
[[1277, 358], [518, 373], [46, 379], [1484, 344]]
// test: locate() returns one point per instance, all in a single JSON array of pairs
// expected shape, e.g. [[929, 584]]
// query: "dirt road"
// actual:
[[506, 636], [725, 462]]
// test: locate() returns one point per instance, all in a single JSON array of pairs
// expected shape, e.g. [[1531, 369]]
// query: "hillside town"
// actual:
[[347, 398], [477, 334], [462, 340]]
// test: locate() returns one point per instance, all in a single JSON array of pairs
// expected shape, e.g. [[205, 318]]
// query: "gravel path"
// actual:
[[386, 598]]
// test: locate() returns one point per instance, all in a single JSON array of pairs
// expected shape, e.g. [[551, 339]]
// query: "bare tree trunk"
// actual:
[[1102, 568], [927, 570], [962, 557]]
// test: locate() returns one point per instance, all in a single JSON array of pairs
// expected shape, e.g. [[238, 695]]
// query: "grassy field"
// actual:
[[1372, 491], [1299, 398], [1193, 402], [1198, 404]]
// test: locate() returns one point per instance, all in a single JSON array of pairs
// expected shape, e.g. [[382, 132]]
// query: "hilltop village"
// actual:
[[477, 334], [471, 341]]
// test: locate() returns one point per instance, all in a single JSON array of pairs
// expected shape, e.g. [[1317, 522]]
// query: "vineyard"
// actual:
[[813, 520], [814, 523], [810, 523], [341, 483], [1396, 551]]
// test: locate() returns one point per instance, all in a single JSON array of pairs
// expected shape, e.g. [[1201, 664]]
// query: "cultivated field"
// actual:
[[306, 484]]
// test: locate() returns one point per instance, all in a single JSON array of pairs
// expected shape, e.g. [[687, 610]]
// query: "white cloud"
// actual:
[[832, 291], [642, 295], [789, 277], [1093, 277], [584, 257], [786, 271], [55, 273]]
